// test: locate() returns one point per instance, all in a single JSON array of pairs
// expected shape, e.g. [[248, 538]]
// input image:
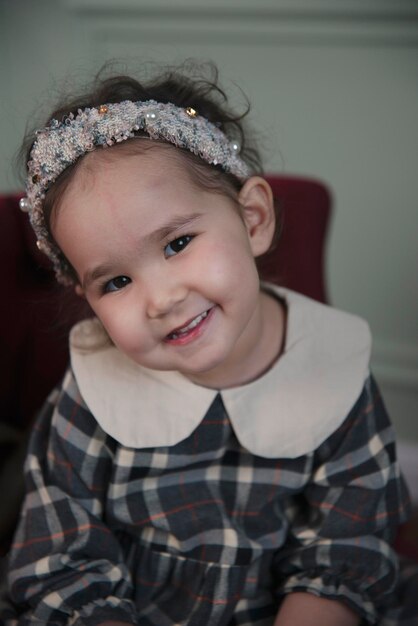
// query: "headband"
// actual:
[[61, 144]]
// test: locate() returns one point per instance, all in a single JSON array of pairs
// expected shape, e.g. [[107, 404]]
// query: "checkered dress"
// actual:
[[204, 532]]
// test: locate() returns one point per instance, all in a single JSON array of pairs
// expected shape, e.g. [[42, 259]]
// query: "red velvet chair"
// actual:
[[298, 259]]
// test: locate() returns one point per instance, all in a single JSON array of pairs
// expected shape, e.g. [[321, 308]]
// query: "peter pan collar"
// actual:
[[288, 412]]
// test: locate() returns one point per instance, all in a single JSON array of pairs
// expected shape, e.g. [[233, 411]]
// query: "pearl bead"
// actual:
[[236, 147], [151, 114], [24, 204]]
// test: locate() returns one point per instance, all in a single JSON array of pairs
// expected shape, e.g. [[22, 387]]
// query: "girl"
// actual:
[[218, 452]]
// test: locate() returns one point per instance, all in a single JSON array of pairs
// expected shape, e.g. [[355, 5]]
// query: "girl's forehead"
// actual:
[[122, 173], [142, 151], [135, 177], [132, 182]]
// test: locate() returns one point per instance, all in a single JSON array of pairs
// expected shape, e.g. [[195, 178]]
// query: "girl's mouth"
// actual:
[[190, 329]]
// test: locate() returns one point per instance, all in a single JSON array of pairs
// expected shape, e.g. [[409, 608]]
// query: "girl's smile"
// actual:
[[191, 330], [168, 267]]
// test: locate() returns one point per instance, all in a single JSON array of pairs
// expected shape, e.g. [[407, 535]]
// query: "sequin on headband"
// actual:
[[61, 144]]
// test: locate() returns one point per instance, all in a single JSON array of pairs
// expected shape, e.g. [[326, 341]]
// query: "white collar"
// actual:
[[288, 412]]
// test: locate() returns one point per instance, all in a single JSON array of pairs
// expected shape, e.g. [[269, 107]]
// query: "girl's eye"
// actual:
[[177, 245], [116, 284]]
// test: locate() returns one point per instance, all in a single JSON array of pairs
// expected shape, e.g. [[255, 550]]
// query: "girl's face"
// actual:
[[169, 267]]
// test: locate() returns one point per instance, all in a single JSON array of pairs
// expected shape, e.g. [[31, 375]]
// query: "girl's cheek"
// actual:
[[111, 313], [229, 261]]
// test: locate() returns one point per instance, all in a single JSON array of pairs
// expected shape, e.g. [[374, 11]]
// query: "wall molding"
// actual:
[[294, 9], [251, 22], [249, 32]]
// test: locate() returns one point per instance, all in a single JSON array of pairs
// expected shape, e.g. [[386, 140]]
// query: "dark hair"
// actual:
[[191, 84]]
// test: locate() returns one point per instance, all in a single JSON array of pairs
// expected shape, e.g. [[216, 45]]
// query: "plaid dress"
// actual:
[[205, 532]]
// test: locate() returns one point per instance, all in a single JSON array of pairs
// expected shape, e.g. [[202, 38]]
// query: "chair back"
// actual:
[[298, 259]]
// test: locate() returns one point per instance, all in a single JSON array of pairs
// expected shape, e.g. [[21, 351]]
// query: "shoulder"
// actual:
[[68, 450], [66, 418], [312, 387], [322, 325], [323, 337], [367, 428]]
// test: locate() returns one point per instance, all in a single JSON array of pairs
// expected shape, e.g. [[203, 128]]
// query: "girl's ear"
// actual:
[[79, 291], [257, 208]]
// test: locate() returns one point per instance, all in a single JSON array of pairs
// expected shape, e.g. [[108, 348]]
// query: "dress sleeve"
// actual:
[[66, 566], [342, 527]]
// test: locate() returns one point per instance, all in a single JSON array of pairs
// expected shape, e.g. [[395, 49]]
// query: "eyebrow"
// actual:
[[104, 269]]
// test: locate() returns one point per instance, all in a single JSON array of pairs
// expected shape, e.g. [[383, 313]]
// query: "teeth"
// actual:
[[185, 329]]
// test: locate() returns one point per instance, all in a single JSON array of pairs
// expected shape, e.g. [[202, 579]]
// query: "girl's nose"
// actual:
[[163, 298]]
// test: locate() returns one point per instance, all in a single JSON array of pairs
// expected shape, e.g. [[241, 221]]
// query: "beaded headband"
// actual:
[[61, 144]]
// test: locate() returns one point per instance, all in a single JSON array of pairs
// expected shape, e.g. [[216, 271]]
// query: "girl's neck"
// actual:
[[266, 350]]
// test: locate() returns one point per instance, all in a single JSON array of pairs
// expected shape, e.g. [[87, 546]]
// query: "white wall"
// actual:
[[334, 87]]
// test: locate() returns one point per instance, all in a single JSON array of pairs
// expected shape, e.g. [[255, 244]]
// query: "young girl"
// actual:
[[218, 452]]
